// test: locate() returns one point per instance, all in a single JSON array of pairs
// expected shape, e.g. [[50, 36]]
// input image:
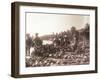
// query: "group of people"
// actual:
[[67, 39]]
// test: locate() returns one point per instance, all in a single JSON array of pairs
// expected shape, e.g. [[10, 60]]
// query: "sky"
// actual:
[[44, 23]]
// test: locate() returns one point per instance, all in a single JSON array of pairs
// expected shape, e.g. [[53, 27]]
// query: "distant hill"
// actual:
[[47, 37]]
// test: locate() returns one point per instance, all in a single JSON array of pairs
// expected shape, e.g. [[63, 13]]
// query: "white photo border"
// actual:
[[56, 69]]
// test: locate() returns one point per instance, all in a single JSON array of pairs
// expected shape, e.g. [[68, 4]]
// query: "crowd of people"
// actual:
[[68, 48]]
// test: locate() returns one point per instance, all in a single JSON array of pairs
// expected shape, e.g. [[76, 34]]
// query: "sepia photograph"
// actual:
[[57, 39]]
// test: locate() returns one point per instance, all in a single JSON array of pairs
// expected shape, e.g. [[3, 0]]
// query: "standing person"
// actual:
[[37, 40], [74, 37], [37, 45], [29, 44]]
